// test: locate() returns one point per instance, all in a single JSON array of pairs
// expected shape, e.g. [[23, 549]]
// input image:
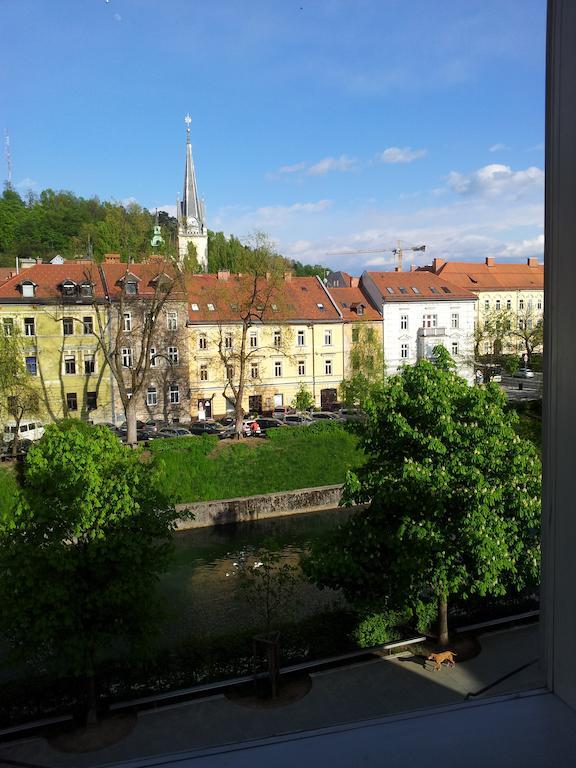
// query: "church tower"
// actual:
[[190, 211]]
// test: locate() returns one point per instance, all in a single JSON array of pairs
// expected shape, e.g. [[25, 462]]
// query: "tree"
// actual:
[[303, 400], [18, 395], [496, 329], [528, 328], [454, 498], [366, 365], [256, 288], [93, 528]]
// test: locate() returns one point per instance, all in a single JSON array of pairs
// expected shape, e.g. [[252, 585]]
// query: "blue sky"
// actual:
[[329, 124]]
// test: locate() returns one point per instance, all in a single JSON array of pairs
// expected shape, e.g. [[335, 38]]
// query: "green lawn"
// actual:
[[8, 489], [529, 425], [199, 469]]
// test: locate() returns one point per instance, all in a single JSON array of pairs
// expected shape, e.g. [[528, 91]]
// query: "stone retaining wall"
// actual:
[[247, 508]]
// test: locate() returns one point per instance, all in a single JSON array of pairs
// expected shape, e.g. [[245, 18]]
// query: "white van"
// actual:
[[29, 430]]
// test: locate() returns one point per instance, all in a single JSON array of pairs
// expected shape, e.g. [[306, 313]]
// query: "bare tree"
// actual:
[[528, 328]]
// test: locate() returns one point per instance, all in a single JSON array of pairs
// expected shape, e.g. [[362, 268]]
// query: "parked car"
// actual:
[[247, 429], [153, 425], [268, 423], [23, 448], [174, 432], [524, 373], [28, 430], [206, 428], [227, 421], [281, 411], [352, 414], [297, 420], [325, 415]]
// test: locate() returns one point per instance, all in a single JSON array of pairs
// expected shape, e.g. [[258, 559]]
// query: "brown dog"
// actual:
[[438, 658]]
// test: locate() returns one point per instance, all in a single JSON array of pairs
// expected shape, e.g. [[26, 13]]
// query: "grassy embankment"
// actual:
[[200, 469]]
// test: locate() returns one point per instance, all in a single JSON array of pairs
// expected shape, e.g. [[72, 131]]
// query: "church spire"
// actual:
[[191, 213]]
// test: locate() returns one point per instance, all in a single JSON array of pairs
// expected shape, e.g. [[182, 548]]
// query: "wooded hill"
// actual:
[[59, 222]]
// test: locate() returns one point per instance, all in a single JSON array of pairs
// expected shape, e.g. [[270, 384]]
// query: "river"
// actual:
[[201, 590]]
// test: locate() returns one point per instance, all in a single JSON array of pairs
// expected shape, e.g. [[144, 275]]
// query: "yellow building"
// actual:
[[283, 334]]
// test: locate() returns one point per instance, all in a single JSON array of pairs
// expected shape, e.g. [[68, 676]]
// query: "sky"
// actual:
[[331, 125]]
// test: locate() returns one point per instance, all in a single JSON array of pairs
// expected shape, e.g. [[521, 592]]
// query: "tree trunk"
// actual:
[[91, 712], [16, 439], [131, 437], [443, 636]]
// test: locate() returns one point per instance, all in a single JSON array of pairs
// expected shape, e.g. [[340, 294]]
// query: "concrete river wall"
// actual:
[[250, 508]]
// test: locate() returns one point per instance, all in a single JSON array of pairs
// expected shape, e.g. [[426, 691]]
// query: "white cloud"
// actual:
[[296, 168], [342, 164], [117, 17], [169, 209], [496, 180], [497, 147], [398, 155], [27, 183], [525, 248]]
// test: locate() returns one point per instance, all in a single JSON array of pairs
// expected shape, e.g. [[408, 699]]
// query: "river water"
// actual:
[[201, 590]]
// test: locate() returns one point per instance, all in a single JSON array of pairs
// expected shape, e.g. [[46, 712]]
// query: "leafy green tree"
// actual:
[[453, 492], [365, 365], [528, 329], [12, 211], [19, 396], [308, 270], [82, 551], [303, 400]]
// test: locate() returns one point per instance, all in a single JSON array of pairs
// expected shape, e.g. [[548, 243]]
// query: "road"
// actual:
[[531, 388]]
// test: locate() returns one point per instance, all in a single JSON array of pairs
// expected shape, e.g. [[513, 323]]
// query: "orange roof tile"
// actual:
[[494, 277], [417, 286], [347, 298]]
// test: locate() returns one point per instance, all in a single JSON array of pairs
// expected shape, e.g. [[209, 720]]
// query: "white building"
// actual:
[[419, 311], [192, 227]]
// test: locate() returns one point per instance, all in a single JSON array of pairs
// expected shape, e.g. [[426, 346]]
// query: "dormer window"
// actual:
[[28, 289], [130, 288], [86, 290], [68, 288]]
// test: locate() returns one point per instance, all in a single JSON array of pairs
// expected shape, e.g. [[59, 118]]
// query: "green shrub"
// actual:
[[8, 490], [380, 628]]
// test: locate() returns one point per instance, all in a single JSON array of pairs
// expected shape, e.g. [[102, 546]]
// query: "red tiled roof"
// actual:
[[346, 298], [6, 273], [399, 286], [297, 298], [495, 277]]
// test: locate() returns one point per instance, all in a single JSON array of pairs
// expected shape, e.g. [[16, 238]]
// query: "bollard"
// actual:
[[520, 385]]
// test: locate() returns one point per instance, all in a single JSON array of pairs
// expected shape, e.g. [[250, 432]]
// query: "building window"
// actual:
[[454, 348], [539, 304], [126, 354], [277, 338], [89, 364], [86, 290], [328, 338], [301, 367], [328, 367], [88, 325], [230, 372], [8, 326], [301, 339], [68, 326], [211, 307], [194, 307], [403, 322], [29, 326], [521, 304], [127, 321], [403, 351], [172, 320], [530, 304], [152, 396], [508, 303], [70, 364], [487, 348], [28, 290], [174, 394], [355, 335], [254, 370], [130, 288], [487, 304], [497, 303], [253, 339], [153, 357], [204, 372], [228, 341], [278, 368], [71, 401], [31, 366], [430, 321], [202, 341], [173, 355], [91, 401]]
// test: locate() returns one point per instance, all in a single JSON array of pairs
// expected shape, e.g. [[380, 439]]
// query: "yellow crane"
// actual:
[[398, 252]]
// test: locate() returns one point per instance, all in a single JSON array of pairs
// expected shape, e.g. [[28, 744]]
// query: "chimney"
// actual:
[[489, 261], [354, 282], [532, 261], [397, 269], [223, 274], [413, 268], [111, 258], [155, 258], [436, 264], [287, 276]]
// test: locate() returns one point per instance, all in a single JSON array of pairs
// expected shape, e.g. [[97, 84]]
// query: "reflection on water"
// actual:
[[201, 590]]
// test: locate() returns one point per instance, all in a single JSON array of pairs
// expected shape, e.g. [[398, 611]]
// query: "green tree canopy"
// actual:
[[453, 492], [83, 549]]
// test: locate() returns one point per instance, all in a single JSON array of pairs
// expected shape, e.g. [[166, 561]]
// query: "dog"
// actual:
[[439, 658]]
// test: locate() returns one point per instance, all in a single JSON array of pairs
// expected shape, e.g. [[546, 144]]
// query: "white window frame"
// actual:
[[455, 349], [171, 320], [127, 357], [202, 341], [153, 358], [152, 396], [69, 361], [301, 367], [228, 341], [328, 367], [403, 322], [254, 371], [327, 337], [127, 322], [277, 369], [455, 320], [173, 355], [28, 325], [404, 351], [85, 325], [277, 339], [430, 321], [253, 337], [68, 324], [203, 372], [174, 394], [87, 358], [301, 339]]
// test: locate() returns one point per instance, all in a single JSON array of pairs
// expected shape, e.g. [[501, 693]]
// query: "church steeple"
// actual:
[[191, 218]]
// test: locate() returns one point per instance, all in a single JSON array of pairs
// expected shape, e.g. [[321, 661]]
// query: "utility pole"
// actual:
[[8, 155]]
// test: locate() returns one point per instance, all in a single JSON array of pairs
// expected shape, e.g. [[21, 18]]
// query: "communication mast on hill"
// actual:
[[8, 155], [398, 252]]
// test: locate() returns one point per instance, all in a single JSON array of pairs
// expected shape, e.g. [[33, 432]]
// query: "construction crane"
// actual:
[[398, 252], [8, 156]]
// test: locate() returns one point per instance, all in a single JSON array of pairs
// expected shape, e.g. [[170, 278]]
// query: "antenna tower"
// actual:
[[8, 154]]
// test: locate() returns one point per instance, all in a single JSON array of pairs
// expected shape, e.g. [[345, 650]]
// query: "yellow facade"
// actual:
[[524, 304], [64, 358], [279, 359]]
